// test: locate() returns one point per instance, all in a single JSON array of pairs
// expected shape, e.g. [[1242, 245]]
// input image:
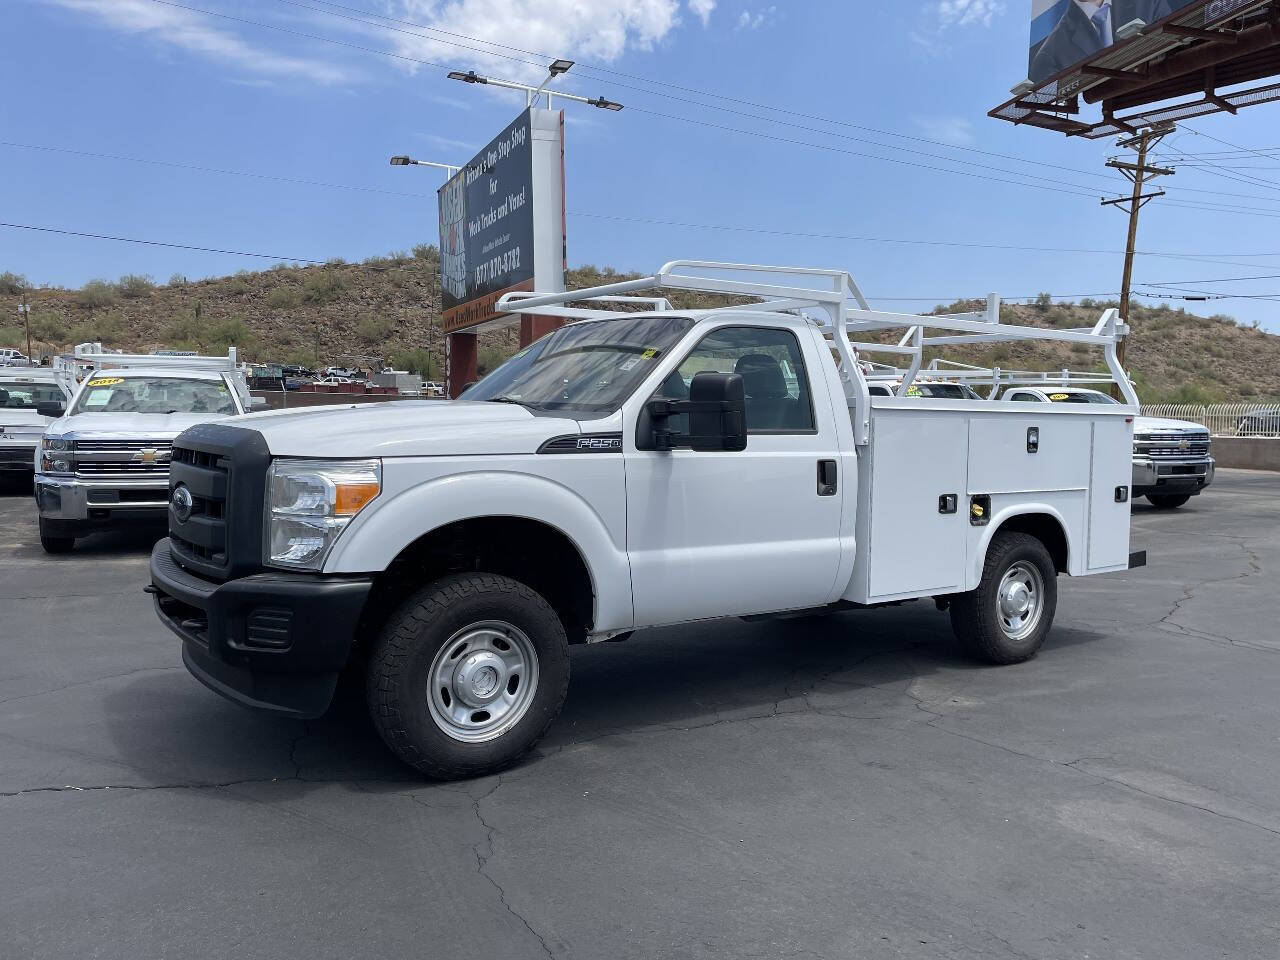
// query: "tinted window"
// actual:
[[772, 371], [25, 394]]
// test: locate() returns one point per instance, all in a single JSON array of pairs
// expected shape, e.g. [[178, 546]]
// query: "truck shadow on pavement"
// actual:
[[862, 665]]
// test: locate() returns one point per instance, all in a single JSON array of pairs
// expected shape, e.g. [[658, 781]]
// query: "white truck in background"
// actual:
[[28, 398], [104, 460], [630, 470]]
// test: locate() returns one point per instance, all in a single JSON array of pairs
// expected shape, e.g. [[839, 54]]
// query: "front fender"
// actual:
[[391, 523]]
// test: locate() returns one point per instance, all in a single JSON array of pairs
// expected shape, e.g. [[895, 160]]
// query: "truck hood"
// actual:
[[406, 428], [130, 426], [1164, 425], [22, 422]]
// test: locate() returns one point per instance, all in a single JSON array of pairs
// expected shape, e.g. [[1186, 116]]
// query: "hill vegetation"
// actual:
[[388, 309]]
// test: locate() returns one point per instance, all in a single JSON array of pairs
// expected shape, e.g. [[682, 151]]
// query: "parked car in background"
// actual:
[[930, 389], [1263, 422], [332, 380], [1171, 458], [297, 370], [23, 392], [10, 357], [105, 461], [432, 388]]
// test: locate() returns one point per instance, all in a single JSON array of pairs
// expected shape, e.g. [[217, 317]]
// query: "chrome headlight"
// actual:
[[310, 503], [55, 454]]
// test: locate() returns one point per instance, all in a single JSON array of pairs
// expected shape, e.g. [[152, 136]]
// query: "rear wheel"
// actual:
[[1006, 619], [1168, 501], [468, 675], [54, 538]]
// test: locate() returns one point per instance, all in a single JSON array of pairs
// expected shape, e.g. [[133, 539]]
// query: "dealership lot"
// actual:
[[814, 788]]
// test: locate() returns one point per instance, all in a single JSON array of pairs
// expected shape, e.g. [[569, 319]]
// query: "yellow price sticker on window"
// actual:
[[649, 354], [106, 381], [1059, 396]]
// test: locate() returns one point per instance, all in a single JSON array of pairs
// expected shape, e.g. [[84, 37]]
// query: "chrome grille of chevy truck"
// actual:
[[121, 459], [1172, 446]]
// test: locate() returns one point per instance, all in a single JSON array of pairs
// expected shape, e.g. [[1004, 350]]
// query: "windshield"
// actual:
[[1082, 396], [25, 394], [154, 395], [586, 367]]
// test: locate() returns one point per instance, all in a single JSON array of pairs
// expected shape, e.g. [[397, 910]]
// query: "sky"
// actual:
[[850, 135]]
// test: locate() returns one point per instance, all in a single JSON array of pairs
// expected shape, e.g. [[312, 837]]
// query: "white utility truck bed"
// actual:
[[630, 470]]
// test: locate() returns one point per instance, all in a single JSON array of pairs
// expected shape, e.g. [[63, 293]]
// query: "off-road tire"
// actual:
[[1168, 501], [53, 540], [974, 615], [397, 679]]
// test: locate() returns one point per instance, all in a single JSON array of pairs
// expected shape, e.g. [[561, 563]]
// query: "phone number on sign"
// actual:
[[498, 266]]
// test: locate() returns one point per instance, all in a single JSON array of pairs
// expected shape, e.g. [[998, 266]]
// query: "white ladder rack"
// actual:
[[842, 313]]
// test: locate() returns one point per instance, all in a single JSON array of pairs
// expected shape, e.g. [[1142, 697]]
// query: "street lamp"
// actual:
[[403, 161], [532, 93]]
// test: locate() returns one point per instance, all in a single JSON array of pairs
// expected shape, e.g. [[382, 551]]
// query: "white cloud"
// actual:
[[202, 35], [599, 30], [754, 21], [966, 13], [703, 9], [957, 131]]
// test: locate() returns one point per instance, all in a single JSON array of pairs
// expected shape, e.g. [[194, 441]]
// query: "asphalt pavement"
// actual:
[[843, 787]]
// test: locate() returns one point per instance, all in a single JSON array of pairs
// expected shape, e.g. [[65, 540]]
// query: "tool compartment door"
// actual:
[[914, 548], [1111, 469]]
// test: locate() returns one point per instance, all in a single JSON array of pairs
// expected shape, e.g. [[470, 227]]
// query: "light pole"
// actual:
[[532, 93], [403, 161], [24, 309], [450, 170]]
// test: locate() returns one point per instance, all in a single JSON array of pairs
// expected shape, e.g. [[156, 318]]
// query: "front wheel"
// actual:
[[1006, 619], [468, 675], [1168, 501], [54, 539]]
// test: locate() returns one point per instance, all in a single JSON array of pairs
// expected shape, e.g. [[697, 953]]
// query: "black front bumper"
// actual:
[[272, 641]]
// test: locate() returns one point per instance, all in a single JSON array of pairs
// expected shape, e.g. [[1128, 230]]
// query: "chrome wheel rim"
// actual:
[[482, 681], [1020, 600]]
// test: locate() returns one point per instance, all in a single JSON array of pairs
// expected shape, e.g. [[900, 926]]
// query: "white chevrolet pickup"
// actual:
[[105, 460], [628, 470]]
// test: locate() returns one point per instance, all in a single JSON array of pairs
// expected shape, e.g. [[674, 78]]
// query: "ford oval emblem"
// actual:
[[180, 501]]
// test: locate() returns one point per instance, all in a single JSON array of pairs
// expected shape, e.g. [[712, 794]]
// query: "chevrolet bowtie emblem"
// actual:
[[1184, 444], [148, 455]]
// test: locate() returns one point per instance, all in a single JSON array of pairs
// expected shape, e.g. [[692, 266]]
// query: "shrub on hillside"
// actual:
[[426, 251], [97, 294], [283, 298], [322, 287], [374, 328], [177, 280], [230, 332], [11, 283], [422, 362], [102, 327], [136, 285], [49, 327], [13, 337]]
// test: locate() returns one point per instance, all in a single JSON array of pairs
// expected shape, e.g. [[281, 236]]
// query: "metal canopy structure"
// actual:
[[1196, 54], [832, 301]]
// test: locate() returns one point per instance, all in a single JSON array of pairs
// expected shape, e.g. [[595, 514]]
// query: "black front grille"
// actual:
[[223, 469]]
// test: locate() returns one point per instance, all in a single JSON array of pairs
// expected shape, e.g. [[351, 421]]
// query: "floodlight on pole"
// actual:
[[532, 93], [403, 161]]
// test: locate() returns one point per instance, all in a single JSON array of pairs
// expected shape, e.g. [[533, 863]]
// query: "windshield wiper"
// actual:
[[519, 403]]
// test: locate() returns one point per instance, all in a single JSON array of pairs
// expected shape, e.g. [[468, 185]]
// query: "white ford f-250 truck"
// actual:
[[105, 461], [629, 470]]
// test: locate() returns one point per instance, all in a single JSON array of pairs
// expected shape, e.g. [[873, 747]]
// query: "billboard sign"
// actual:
[[502, 221], [1065, 33]]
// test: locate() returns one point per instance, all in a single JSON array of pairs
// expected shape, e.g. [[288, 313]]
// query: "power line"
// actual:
[[156, 243]]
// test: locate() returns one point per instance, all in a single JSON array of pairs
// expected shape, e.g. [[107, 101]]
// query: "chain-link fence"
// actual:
[[1260, 419]]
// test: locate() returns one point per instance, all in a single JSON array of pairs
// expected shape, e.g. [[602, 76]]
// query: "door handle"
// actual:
[[827, 478]]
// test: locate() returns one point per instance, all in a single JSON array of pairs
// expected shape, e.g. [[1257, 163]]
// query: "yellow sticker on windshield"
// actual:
[[650, 353], [106, 381], [1059, 396], [914, 392]]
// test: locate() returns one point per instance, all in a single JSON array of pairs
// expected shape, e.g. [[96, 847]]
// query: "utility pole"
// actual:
[[1139, 174]]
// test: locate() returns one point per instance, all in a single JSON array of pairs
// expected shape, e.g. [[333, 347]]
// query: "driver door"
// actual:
[[713, 534]]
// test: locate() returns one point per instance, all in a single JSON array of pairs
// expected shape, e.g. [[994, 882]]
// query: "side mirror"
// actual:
[[51, 408], [717, 409]]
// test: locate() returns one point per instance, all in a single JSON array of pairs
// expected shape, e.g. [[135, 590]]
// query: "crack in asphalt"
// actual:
[[483, 858], [1189, 593]]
